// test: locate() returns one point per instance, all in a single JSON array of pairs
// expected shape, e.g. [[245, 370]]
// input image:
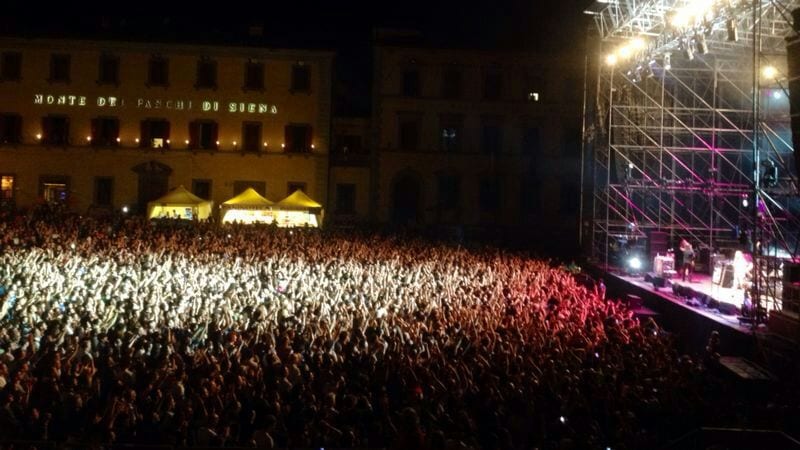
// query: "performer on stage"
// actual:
[[687, 263]]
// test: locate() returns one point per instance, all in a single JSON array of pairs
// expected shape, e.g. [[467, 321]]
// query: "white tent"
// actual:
[[179, 203], [248, 207]]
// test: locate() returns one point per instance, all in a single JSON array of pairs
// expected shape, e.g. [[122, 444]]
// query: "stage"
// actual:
[[692, 313], [700, 296]]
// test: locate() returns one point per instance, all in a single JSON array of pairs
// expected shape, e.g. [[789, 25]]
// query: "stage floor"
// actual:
[[702, 284]]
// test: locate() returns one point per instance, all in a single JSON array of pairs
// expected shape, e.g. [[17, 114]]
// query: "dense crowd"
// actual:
[[133, 332]]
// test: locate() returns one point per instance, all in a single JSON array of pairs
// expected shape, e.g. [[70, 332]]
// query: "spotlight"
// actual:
[[733, 31], [648, 69], [745, 202], [667, 61], [635, 263], [769, 174], [687, 50], [776, 95], [769, 72], [700, 44]]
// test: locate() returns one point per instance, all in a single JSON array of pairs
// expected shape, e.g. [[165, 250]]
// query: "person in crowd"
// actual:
[[126, 332]]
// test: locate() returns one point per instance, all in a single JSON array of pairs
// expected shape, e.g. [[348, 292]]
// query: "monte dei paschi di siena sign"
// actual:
[[155, 103]]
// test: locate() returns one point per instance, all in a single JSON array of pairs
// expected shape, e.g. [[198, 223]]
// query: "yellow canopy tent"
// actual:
[[248, 207], [299, 210], [179, 204]]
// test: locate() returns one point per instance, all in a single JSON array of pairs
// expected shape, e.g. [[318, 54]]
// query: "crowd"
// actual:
[[130, 332]]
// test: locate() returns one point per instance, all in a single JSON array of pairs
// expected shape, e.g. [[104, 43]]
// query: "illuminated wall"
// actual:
[[235, 116]]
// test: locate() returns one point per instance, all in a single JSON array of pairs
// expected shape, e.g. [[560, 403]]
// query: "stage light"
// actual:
[[648, 69], [769, 72], [745, 202], [700, 44], [624, 52], [680, 19], [733, 31], [667, 61], [637, 44], [635, 263], [611, 59], [776, 95]]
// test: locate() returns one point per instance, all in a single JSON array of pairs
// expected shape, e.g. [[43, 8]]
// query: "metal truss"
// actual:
[[686, 148]]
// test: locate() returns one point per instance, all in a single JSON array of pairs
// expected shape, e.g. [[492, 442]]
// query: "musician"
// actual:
[[687, 263]]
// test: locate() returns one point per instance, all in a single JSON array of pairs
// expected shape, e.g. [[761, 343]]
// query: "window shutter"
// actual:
[[47, 129], [214, 134], [287, 137], [114, 131], [16, 128], [194, 134], [144, 134], [95, 132]]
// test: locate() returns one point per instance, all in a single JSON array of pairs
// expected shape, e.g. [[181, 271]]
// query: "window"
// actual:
[[531, 144], [412, 85], [55, 130], [301, 78], [295, 185], [154, 133], [534, 85], [492, 86], [206, 74], [409, 132], [11, 66], [492, 135], [108, 70], [240, 186], [59, 68], [451, 84], [203, 135], [489, 194], [7, 188], [103, 191], [449, 189], [345, 198], [10, 128], [297, 138], [251, 137], [253, 76], [202, 188], [570, 142], [450, 129], [158, 71], [569, 198], [54, 188], [345, 144], [105, 132]]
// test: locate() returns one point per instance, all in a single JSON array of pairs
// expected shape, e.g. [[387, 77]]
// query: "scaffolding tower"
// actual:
[[687, 133]]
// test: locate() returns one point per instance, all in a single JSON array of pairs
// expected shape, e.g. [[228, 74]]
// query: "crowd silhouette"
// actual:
[[127, 331]]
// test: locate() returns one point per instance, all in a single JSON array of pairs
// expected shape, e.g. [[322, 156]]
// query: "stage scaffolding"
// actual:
[[686, 144]]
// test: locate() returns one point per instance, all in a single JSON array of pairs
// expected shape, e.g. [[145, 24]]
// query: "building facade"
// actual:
[[107, 124], [483, 141]]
